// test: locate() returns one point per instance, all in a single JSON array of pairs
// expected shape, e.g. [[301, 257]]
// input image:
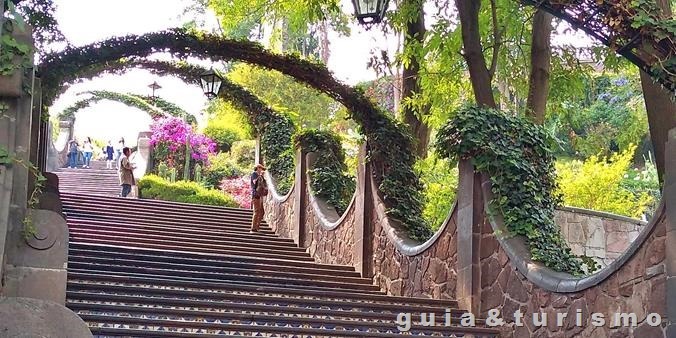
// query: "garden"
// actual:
[[552, 123]]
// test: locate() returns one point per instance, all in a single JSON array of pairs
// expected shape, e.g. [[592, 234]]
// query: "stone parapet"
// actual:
[[602, 236]]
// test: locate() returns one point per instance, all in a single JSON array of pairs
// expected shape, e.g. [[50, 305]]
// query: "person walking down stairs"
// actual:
[[72, 154], [259, 189], [126, 172], [88, 151], [109, 155]]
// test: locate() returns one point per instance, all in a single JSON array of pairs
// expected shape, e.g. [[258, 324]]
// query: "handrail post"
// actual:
[[300, 200], [468, 238], [363, 226]]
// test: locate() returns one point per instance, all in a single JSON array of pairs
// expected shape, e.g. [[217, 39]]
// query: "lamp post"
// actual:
[[154, 86], [211, 83], [370, 12]]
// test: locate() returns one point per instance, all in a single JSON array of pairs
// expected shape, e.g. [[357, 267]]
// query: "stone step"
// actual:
[[266, 237], [205, 271], [158, 204], [224, 221], [158, 275], [78, 300], [251, 293], [251, 326], [227, 243], [218, 262], [180, 245], [259, 318], [111, 249]]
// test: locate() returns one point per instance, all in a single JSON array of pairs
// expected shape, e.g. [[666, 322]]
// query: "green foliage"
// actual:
[[155, 187], [597, 184], [517, 156], [172, 175], [306, 107], [224, 114], [392, 160], [11, 50], [223, 135], [440, 179], [243, 153], [276, 149], [644, 181], [222, 166], [163, 170], [328, 174]]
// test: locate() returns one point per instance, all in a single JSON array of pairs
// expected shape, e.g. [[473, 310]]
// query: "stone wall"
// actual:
[[601, 236], [279, 211], [637, 287], [329, 242], [428, 271]]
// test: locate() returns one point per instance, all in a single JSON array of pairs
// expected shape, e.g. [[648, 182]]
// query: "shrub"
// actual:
[[223, 135], [155, 187], [240, 189], [243, 153], [329, 180], [221, 166], [440, 180], [597, 184]]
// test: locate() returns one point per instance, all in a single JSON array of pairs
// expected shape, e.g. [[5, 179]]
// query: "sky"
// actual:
[[87, 21]]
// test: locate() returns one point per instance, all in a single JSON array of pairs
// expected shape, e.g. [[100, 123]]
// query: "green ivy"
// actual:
[[517, 155], [10, 48], [328, 174], [275, 133]]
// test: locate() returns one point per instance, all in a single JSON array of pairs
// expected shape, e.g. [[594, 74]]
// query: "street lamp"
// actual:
[[370, 11], [154, 86], [211, 83]]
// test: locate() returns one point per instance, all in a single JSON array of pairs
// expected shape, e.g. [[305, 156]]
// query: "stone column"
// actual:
[[300, 200], [670, 202], [468, 238], [363, 226], [258, 156]]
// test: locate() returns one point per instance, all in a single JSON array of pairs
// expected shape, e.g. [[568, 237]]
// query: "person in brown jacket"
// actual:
[[126, 172], [258, 191]]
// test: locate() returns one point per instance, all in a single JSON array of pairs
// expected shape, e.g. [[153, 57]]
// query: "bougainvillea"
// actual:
[[240, 189], [169, 136]]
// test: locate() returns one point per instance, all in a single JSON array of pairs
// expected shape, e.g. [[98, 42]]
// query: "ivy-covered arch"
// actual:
[[275, 129], [390, 145]]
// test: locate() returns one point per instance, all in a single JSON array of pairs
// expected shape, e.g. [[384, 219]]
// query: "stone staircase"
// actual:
[[96, 180], [145, 268]]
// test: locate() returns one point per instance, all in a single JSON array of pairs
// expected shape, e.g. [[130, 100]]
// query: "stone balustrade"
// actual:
[[465, 260]]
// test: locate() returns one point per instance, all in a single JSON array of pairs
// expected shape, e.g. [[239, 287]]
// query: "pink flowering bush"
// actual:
[[169, 137], [240, 189]]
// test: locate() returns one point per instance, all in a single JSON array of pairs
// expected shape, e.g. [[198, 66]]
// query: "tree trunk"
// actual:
[[415, 34], [540, 57], [324, 42], [468, 11], [661, 110]]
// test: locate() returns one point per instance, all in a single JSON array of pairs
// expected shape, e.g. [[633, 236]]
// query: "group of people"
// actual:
[[87, 150]]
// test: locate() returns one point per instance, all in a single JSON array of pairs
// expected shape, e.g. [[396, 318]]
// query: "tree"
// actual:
[[540, 55], [660, 107]]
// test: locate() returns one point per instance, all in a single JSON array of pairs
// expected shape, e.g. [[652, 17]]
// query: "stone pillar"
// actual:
[[258, 156], [468, 238], [300, 200], [670, 203], [363, 226]]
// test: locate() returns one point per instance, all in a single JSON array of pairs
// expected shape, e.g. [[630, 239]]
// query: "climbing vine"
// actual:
[[328, 174], [390, 145], [12, 50], [154, 108], [517, 156]]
